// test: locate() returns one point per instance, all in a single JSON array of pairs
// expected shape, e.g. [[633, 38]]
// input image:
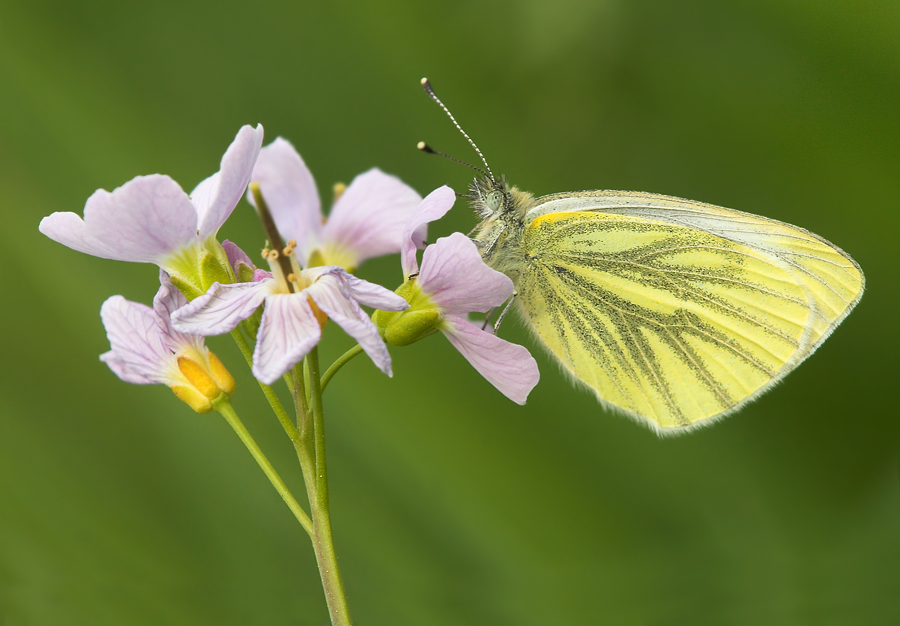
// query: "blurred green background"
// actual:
[[452, 506]]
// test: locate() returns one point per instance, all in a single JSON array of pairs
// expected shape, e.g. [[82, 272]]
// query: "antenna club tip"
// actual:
[[421, 145], [424, 81]]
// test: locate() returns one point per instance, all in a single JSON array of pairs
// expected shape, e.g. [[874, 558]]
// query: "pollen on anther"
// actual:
[[273, 255], [292, 278]]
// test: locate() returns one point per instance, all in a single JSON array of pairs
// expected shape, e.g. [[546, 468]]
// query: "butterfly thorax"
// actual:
[[502, 211]]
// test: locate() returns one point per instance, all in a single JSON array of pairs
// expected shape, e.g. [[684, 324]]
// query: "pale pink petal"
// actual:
[[364, 292], [375, 296], [290, 192], [455, 277], [329, 295], [507, 366], [287, 333], [236, 257], [168, 300], [140, 353], [144, 221], [222, 308], [68, 229], [216, 197], [433, 207], [370, 217], [121, 368]]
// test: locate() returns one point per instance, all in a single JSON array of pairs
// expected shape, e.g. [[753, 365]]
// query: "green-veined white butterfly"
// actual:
[[673, 311]]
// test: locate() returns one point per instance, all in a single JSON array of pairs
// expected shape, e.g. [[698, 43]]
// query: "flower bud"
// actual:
[[222, 376], [192, 398], [417, 322], [206, 382], [410, 326]]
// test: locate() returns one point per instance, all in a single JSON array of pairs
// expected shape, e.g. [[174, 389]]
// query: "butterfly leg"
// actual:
[[490, 247], [505, 311], [487, 317]]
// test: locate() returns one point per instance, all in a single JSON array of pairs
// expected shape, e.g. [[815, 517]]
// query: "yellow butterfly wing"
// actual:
[[677, 311]]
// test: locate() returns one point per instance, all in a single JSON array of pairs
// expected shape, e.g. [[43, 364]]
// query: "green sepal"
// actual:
[[189, 290], [212, 270], [244, 273], [412, 325], [401, 328], [382, 319], [251, 324], [408, 292]]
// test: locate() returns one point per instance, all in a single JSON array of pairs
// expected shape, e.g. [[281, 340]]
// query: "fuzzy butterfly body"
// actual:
[[673, 311]]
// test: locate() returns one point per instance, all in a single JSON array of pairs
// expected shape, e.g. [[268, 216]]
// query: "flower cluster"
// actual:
[[211, 288], [452, 282]]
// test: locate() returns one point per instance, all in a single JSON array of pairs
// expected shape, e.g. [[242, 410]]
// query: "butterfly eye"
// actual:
[[493, 200]]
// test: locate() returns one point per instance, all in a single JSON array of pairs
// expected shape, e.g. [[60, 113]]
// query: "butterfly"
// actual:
[[673, 311]]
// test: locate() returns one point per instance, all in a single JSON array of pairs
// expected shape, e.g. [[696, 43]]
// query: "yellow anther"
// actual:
[[292, 278], [273, 255]]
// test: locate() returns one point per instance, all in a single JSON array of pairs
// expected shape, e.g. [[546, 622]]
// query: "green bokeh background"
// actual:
[[452, 506]]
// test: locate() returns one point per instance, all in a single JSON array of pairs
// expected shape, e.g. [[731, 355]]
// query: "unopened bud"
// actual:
[[417, 322], [410, 326], [198, 377], [192, 398], [206, 382], [222, 376]]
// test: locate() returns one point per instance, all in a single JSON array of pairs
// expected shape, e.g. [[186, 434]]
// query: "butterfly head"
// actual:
[[489, 197]]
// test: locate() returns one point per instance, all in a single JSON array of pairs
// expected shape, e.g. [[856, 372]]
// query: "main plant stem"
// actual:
[[308, 437], [311, 452]]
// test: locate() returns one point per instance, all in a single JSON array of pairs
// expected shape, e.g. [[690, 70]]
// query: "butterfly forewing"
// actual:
[[831, 279], [667, 321]]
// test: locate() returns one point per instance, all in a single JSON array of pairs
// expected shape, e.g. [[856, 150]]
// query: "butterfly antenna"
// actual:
[[424, 147], [430, 91]]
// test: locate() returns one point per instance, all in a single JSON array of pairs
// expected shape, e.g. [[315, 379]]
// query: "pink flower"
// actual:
[[147, 350], [150, 219], [367, 220], [292, 319], [452, 282]]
